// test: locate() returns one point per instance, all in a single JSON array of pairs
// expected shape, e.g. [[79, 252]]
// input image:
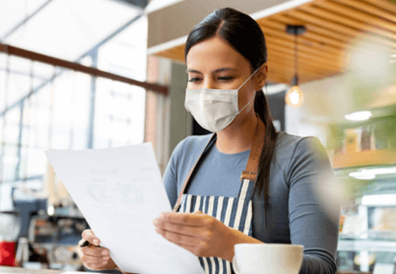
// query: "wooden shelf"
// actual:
[[365, 158]]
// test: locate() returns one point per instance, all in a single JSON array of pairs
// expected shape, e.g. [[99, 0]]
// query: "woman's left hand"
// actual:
[[203, 235]]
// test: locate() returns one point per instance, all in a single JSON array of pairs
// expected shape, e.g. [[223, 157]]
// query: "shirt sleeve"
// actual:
[[312, 224]]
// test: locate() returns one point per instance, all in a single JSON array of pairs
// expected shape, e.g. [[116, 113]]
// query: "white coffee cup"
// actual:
[[267, 258]]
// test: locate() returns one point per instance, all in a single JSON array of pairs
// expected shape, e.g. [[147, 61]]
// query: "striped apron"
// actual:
[[233, 212]]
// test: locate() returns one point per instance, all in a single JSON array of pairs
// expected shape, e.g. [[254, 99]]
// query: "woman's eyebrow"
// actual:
[[214, 71]]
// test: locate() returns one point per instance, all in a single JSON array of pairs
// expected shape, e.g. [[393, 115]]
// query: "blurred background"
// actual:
[[88, 74]]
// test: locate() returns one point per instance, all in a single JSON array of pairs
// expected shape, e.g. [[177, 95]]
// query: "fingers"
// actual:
[[187, 219], [95, 251], [192, 231], [95, 263], [93, 266], [194, 245], [178, 239], [89, 236], [94, 258], [87, 259]]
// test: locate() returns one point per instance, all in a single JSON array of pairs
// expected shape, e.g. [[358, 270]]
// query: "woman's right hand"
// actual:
[[94, 256]]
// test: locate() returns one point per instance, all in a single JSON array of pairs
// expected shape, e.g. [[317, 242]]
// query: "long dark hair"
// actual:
[[241, 32]]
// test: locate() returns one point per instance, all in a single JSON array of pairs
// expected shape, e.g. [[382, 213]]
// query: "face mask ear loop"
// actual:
[[266, 89], [242, 86], [249, 78], [254, 95]]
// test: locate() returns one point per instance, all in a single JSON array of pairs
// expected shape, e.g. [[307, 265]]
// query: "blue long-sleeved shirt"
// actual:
[[295, 212]]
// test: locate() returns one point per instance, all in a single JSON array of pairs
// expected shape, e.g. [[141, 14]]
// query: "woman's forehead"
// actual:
[[212, 54]]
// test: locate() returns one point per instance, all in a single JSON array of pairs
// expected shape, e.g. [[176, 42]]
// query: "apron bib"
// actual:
[[233, 212]]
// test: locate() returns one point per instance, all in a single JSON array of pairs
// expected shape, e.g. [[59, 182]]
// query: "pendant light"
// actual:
[[294, 97]]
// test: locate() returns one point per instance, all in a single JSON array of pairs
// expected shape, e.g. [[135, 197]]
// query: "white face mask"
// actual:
[[214, 109]]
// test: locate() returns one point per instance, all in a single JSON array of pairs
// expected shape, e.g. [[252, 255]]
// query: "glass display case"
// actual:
[[366, 170], [368, 222]]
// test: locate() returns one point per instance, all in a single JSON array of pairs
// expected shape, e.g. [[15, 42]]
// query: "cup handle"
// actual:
[[234, 265]]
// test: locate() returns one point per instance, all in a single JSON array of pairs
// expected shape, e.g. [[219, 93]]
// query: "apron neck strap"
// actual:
[[251, 170]]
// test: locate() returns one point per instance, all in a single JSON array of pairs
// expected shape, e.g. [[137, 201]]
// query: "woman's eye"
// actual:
[[226, 78], [194, 79]]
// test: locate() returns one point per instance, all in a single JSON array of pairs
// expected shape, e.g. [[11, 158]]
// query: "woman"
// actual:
[[246, 183]]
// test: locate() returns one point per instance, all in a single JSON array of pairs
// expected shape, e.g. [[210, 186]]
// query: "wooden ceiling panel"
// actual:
[[344, 20], [303, 41], [315, 61], [302, 63], [383, 4], [312, 27], [370, 9], [316, 54], [311, 35], [370, 23], [333, 27], [337, 28]]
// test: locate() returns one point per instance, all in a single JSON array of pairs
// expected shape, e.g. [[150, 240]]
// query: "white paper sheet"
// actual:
[[120, 192]]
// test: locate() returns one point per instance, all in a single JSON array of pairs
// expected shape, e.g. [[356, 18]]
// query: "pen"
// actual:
[[86, 243]]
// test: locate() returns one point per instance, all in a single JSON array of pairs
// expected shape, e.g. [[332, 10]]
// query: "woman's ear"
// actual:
[[261, 77]]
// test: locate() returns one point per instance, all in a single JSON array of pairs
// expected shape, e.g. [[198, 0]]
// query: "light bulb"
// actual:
[[294, 97]]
